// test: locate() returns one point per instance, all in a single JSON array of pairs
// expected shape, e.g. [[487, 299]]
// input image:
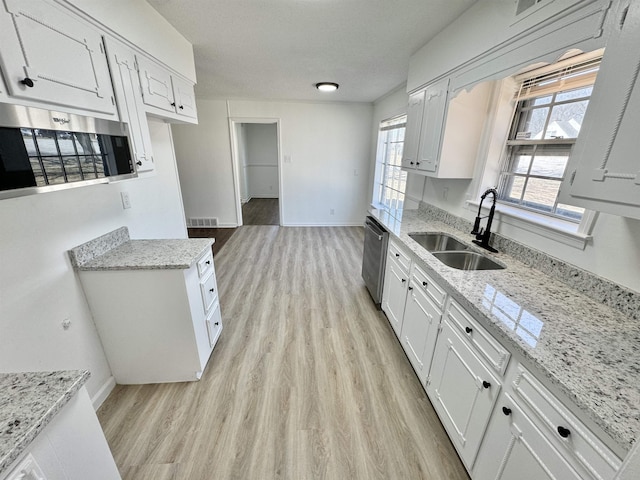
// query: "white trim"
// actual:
[[103, 392], [556, 229], [345, 224]]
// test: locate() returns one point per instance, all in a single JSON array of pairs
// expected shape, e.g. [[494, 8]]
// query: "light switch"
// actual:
[[126, 201]]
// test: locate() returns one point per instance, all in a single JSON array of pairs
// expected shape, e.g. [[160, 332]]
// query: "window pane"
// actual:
[[531, 124], [541, 194], [566, 120], [37, 172], [53, 169], [574, 94], [46, 142], [542, 100], [65, 142], [514, 188], [72, 169], [549, 165], [521, 159], [27, 137], [569, 211]]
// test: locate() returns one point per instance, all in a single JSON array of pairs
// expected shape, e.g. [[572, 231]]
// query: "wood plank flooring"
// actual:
[[308, 381], [222, 236], [261, 211]]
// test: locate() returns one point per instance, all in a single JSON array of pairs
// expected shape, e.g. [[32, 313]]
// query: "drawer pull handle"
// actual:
[[468, 329], [486, 384], [564, 432], [212, 290], [506, 410]]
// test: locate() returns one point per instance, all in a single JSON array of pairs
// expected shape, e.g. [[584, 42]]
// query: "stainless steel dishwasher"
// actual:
[[374, 258]]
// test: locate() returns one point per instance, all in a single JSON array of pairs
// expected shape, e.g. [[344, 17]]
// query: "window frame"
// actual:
[[382, 181]]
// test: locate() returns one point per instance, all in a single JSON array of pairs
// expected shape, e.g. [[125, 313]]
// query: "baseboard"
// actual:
[[103, 392], [263, 196], [346, 224]]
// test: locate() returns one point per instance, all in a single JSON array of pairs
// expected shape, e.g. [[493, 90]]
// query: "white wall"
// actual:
[[39, 288], [326, 150], [615, 251], [261, 165]]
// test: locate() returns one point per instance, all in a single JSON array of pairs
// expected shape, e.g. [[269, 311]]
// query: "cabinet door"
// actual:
[[604, 171], [127, 88], [435, 106], [394, 294], [185, 98], [462, 391], [157, 90], [514, 448], [412, 130], [49, 56], [420, 330]]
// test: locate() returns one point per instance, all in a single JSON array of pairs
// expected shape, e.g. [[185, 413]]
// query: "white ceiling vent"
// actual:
[[203, 222]]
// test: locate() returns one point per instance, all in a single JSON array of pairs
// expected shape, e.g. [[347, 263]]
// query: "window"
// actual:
[[390, 180], [551, 104]]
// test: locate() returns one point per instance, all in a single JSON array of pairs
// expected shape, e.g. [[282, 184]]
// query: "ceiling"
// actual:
[[278, 49]]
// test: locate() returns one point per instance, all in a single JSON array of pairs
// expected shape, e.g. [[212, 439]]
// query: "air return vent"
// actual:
[[202, 222]]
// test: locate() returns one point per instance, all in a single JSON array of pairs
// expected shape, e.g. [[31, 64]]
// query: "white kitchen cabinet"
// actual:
[[53, 58], [533, 433], [71, 447], [463, 391], [156, 325], [128, 92], [603, 172], [165, 94], [396, 282], [443, 132], [421, 321]]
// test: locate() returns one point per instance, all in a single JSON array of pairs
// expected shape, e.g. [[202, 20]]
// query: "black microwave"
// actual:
[[43, 150]]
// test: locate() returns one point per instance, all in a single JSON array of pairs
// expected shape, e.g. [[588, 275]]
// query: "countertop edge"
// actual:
[[29, 436]]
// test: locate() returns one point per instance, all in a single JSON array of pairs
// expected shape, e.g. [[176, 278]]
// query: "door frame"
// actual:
[[235, 157]]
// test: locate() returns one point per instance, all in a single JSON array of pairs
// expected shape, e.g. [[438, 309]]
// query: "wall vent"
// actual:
[[203, 222]]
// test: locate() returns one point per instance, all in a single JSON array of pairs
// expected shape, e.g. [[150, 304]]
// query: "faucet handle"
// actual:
[[476, 226]]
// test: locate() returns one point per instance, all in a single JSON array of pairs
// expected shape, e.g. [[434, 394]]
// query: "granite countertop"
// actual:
[[28, 403], [589, 351], [116, 251]]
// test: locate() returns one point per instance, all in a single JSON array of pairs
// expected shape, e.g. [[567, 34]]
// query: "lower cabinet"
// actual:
[[396, 282], [156, 325], [463, 391]]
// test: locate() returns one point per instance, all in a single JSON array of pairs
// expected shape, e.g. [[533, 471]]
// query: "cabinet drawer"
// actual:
[[485, 345], [209, 291], [569, 432], [421, 280], [214, 325], [403, 260], [205, 264]]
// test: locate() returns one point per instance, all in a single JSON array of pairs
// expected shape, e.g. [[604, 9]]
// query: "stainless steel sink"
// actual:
[[437, 242], [467, 261]]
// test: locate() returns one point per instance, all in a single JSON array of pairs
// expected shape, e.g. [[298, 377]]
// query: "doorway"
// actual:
[[256, 152]]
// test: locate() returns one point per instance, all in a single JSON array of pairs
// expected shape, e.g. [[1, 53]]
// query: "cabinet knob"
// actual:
[[208, 262], [425, 284], [564, 432], [181, 107], [404, 280], [139, 163], [417, 163], [27, 82], [468, 329], [410, 288], [173, 104], [486, 384], [212, 290], [397, 255], [506, 410], [217, 323], [411, 163]]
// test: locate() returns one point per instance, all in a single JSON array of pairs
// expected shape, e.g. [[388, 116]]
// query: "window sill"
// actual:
[[556, 229]]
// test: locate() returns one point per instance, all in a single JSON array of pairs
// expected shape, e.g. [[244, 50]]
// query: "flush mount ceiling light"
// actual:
[[327, 86]]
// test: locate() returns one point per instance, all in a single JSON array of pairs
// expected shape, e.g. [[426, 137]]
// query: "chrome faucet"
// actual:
[[483, 236]]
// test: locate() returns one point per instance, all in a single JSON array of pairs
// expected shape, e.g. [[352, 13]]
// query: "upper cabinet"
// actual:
[[443, 132], [48, 56], [603, 172], [165, 94], [126, 84]]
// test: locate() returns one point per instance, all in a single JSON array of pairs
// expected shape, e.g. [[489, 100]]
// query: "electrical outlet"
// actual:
[[332, 212], [66, 323], [126, 201]]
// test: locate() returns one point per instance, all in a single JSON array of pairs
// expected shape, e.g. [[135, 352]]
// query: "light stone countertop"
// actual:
[[590, 352], [28, 403], [116, 251]]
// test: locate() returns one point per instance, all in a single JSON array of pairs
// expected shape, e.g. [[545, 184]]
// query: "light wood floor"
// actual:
[[222, 236], [261, 211], [307, 381]]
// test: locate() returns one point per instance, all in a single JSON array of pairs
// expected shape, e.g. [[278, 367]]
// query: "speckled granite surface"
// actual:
[[137, 254], [28, 403], [586, 349]]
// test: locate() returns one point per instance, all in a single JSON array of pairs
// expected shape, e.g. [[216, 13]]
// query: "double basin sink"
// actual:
[[453, 253]]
